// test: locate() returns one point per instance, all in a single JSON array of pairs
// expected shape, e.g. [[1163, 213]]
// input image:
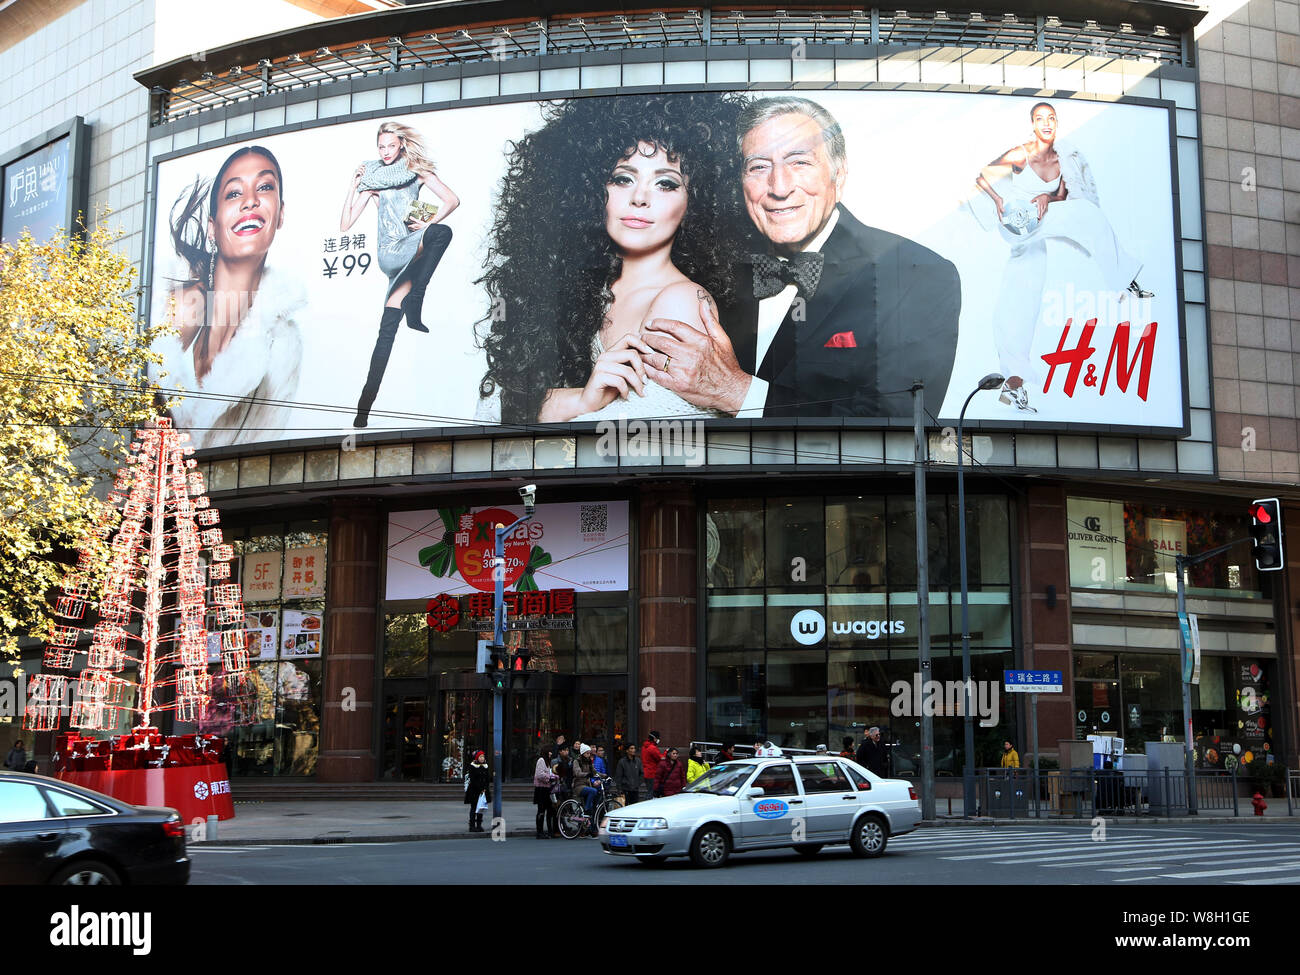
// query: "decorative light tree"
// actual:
[[155, 571]]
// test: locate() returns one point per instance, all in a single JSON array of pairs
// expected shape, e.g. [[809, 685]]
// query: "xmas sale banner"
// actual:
[[581, 546]]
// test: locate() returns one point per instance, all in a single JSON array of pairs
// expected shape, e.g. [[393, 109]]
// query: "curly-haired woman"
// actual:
[[410, 245], [617, 211]]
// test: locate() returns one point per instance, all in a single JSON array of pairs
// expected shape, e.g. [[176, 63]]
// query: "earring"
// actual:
[[212, 260]]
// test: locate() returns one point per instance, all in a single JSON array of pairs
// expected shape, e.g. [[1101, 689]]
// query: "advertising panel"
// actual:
[[531, 262], [580, 547], [44, 183]]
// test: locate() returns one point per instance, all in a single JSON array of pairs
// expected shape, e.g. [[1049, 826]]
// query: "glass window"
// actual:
[[782, 608], [900, 546], [454, 650], [823, 777], [855, 542], [21, 802], [735, 695], [67, 804], [406, 645], [735, 620], [988, 542], [297, 718], [721, 780], [796, 542], [734, 544], [775, 780], [602, 640], [796, 698], [1095, 665]]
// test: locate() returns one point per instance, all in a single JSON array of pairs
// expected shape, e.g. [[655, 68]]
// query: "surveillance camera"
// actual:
[[527, 490]]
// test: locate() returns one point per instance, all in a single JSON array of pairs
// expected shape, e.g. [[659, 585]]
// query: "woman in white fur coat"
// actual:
[[238, 349]]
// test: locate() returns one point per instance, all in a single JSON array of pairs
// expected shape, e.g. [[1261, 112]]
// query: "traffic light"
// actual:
[[498, 667], [1266, 534]]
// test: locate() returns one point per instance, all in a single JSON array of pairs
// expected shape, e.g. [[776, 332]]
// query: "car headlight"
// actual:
[[652, 824]]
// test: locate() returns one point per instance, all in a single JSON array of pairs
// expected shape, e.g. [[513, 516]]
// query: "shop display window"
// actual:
[[282, 573]]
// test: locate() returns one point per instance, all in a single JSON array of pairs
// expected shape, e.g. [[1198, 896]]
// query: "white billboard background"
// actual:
[[587, 543], [912, 158]]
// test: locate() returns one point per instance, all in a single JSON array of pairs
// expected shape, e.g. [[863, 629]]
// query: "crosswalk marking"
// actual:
[[1234, 870], [1129, 857], [1221, 850]]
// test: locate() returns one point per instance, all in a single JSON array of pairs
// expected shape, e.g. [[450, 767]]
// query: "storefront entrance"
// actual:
[[593, 709]]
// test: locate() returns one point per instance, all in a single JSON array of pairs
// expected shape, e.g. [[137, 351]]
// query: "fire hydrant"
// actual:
[[1259, 804]]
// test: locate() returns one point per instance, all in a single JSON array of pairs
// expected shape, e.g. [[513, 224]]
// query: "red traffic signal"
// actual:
[[1266, 534]]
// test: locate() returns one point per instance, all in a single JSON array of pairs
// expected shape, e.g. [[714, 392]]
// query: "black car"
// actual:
[[53, 832]]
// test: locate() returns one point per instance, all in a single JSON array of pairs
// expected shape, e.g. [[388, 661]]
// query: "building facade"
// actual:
[[661, 580]]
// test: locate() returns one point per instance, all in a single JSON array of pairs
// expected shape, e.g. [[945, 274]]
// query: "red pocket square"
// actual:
[[842, 340]]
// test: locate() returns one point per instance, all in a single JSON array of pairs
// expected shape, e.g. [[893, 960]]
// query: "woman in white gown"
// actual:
[[612, 214], [237, 350], [1048, 196]]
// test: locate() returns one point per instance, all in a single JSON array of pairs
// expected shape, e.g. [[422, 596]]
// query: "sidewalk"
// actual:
[[368, 821]]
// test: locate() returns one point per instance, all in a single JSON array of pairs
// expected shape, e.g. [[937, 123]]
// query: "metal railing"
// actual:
[[570, 34], [1086, 793]]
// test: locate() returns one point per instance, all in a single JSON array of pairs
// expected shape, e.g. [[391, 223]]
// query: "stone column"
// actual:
[[667, 652], [356, 545], [1045, 561]]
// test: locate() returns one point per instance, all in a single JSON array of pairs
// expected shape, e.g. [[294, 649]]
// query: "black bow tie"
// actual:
[[772, 275]]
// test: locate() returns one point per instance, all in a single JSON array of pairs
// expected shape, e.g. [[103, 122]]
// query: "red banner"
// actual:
[[194, 791]]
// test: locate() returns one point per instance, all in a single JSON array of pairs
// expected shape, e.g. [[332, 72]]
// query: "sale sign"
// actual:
[[582, 547]]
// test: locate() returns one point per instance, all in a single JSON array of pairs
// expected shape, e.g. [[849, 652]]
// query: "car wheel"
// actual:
[[711, 846], [86, 873], [809, 849], [870, 834]]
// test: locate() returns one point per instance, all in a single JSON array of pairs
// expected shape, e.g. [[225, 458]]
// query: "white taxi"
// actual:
[[804, 802]]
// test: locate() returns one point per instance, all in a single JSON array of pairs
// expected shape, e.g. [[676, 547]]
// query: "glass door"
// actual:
[[465, 727], [405, 733], [533, 719]]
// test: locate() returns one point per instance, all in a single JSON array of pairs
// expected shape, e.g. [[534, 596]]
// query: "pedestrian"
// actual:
[[671, 778], [582, 769], [871, 753], [628, 776], [848, 751], [17, 757], [696, 766], [559, 743], [543, 781], [651, 757], [724, 753], [478, 786], [1010, 757], [562, 766], [590, 793], [760, 748]]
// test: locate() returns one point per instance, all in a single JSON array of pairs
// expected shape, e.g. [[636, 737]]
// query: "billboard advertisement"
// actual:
[[682, 255], [581, 547], [44, 184]]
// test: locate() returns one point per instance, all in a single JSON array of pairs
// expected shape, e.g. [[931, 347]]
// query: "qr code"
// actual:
[[593, 519]]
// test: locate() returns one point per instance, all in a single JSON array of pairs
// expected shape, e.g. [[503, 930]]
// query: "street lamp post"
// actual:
[[992, 381], [500, 658]]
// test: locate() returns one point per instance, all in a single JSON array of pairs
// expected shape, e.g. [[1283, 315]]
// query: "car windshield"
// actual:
[[721, 780]]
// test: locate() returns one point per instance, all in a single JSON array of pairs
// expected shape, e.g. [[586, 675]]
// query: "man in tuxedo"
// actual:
[[836, 318]]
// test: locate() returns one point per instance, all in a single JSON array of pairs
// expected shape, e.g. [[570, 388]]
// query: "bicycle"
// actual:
[[573, 818]]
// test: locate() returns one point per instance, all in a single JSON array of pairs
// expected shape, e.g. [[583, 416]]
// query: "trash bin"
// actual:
[[1006, 796], [1108, 792]]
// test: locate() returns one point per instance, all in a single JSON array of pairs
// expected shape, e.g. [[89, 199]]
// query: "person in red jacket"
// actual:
[[672, 775], [651, 756]]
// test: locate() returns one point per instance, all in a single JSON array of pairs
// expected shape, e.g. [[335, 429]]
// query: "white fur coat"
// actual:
[[260, 364]]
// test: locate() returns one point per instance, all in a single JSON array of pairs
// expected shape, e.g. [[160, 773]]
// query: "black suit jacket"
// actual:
[[884, 314]]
